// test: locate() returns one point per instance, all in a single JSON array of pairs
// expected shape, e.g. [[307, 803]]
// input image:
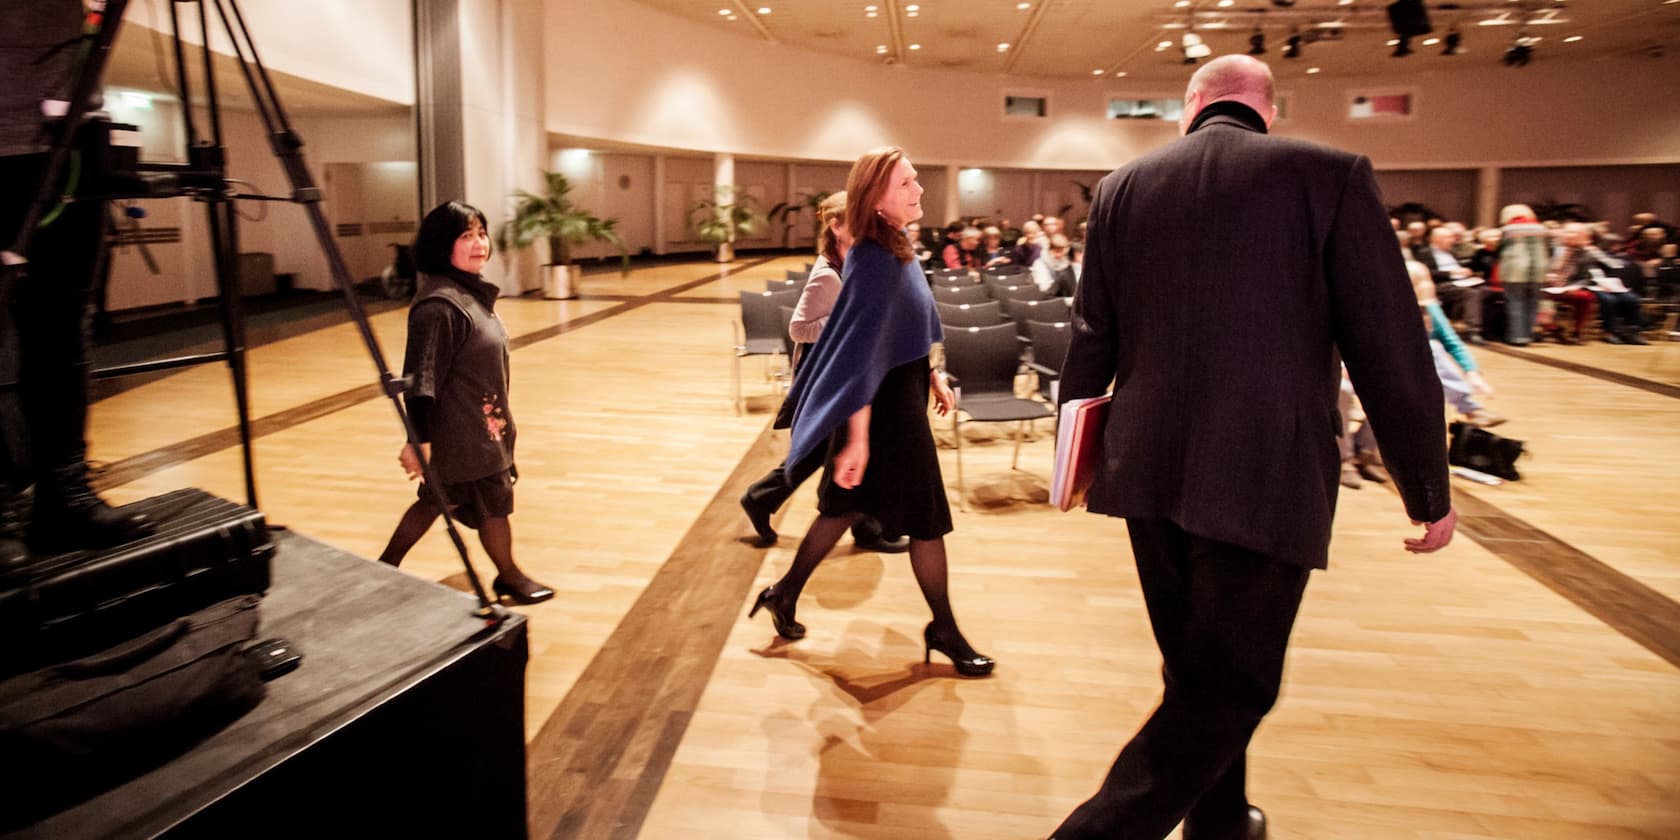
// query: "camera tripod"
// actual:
[[204, 178]]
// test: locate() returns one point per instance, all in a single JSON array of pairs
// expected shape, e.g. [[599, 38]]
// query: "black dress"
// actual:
[[902, 486]]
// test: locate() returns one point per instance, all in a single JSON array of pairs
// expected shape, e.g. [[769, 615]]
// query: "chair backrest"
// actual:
[[950, 280], [801, 276], [985, 314], [1050, 343], [786, 313], [1050, 309], [1007, 270], [984, 359], [960, 294], [1022, 291], [760, 317], [949, 272], [783, 285]]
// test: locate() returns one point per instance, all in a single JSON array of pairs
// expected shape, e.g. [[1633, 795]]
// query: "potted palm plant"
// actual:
[[730, 213], [785, 213], [554, 218]]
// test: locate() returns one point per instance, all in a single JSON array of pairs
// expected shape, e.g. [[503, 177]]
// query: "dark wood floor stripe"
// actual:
[[1624, 604], [1660, 388], [138, 466], [598, 762]]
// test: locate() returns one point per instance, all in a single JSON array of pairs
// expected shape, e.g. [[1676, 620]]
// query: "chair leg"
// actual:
[[1020, 430], [962, 489]]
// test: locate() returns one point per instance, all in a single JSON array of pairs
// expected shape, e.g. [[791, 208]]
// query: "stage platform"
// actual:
[[405, 718]]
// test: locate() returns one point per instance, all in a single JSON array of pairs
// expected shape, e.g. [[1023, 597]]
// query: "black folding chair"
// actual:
[[761, 331], [960, 294], [984, 361], [985, 314]]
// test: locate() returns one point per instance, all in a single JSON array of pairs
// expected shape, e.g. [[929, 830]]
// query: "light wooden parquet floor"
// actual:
[[1448, 696]]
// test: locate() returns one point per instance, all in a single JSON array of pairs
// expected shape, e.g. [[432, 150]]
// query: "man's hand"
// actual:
[[1436, 534], [410, 462]]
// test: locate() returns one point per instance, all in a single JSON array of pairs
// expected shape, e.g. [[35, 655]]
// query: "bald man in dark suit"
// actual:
[[1227, 277]]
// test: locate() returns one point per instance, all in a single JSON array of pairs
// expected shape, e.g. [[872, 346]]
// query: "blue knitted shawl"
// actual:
[[883, 318]]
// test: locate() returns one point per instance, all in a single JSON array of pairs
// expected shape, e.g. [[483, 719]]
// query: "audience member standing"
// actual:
[[863, 396], [1220, 447], [457, 357], [1523, 258], [810, 315]]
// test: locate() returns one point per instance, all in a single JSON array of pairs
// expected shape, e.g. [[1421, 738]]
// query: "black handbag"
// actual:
[[1483, 451]]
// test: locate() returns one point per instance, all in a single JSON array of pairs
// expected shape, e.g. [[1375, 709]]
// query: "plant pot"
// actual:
[[558, 282], [725, 252]]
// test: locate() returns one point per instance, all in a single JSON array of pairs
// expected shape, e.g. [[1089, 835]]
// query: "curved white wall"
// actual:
[[619, 71]]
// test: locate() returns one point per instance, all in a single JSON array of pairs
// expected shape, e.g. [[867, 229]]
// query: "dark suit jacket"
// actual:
[[1223, 274]]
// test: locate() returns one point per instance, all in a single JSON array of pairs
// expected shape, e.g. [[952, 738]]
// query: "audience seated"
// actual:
[[1584, 266]]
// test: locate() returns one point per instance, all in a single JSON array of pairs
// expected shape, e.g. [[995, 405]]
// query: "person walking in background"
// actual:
[[457, 359], [810, 314], [862, 398], [1220, 447]]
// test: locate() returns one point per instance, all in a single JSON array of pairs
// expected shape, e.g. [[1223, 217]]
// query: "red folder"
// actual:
[[1078, 447]]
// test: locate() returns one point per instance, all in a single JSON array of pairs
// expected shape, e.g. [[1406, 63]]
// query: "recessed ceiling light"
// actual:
[[1164, 45], [725, 12], [871, 8], [915, 46], [1573, 38], [1344, 2], [869, 14], [764, 10], [1312, 70], [1096, 72], [1181, 4], [880, 49], [1003, 47], [1392, 42], [1430, 42], [1119, 74], [912, 8], [1226, 4], [912, 14], [1021, 7]]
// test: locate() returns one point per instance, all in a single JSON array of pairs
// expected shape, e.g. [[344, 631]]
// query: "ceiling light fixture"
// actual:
[[880, 49], [1004, 47], [725, 12], [1021, 7], [764, 10], [1312, 71], [1402, 49], [1573, 38], [1292, 47], [1454, 43], [1096, 72], [1257, 43], [1521, 51], [915, 46]]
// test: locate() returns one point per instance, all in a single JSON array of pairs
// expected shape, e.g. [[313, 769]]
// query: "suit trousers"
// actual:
[[1222, 616]]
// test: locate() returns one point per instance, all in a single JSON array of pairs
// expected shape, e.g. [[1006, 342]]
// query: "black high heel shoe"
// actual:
[[531, 593], [965, 659], [780, 616]]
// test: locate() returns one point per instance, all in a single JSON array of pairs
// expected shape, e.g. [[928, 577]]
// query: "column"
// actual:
[[480, 104], [953, 195], [1487, 196], [723, 178]]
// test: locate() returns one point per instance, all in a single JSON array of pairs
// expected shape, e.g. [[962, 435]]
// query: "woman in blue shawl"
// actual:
[[862, 395]]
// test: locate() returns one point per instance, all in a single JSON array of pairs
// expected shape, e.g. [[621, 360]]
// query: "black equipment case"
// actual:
[[205, 550]]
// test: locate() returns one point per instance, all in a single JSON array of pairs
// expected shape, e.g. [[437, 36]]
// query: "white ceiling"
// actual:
[[1070, 38]]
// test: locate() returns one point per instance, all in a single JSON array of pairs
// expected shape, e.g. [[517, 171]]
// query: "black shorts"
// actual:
[[472, 502]]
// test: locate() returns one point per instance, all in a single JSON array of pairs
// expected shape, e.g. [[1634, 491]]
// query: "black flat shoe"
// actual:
[[780, 616], [1253, 827], [760, 519], [965, 659], [531, 593]]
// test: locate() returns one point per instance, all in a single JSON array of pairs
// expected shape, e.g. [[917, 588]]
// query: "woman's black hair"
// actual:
[[434, 245]]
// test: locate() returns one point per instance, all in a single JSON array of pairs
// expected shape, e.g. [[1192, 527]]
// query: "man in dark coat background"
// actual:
[[1220, 449]]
